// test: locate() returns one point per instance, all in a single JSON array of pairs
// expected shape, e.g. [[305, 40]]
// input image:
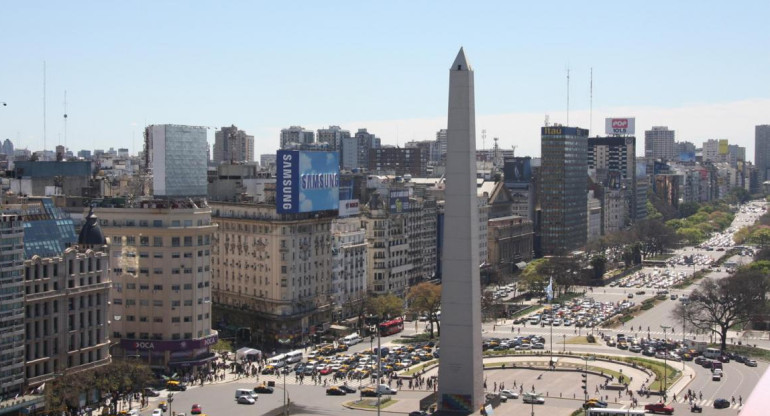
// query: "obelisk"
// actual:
[[461, 385]]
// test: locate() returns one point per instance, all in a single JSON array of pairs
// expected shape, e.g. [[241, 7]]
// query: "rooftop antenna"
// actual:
[[547, 121], [65, 121], [567, 95], [484, 139], [496, 156]]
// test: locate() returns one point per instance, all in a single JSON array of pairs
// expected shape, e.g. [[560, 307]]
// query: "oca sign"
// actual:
[[618, 126]]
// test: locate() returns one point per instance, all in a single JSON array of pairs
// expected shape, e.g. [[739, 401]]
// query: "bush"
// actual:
[[590, 338]]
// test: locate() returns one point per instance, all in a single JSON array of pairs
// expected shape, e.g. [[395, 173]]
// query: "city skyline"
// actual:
[[371, 66]]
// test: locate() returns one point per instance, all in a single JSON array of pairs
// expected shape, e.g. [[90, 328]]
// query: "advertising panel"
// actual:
[[307, 181], [157, 345], [517, 170], [722, 146], [563, 131], [622, 125], [399, 200], [349, 207]]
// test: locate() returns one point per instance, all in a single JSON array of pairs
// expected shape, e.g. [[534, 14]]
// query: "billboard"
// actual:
[[622, 125], [517, 170], [349, 207], [399, 200], [307, 181], [723, 146]]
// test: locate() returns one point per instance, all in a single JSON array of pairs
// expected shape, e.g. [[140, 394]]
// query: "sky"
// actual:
[[701, 68]]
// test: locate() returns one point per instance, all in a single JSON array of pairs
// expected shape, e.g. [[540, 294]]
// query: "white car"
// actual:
[[510, 394], [157, 412], [245, 400]]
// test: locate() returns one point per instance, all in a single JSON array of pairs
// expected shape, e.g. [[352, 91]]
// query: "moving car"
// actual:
[[246, 400], [721, 404], [163, 406], [150, 392], [750, 363], [658, 408], [157, 412], [368, 392], [335, 391], [418, 413], [695, 408], [196, 409], [346, 388], [510, 394], [533, 398], [263, 388], [716, 377], [173, 385], [594, 403]]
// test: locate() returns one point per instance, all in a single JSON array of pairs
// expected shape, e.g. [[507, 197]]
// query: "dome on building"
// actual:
[[91, 233]]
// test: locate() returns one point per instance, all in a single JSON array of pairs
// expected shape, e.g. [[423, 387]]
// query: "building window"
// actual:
[[188, 241], [174, 241], [157, 223], [157, 302], [157, 241], [144, 241], [175, 320]]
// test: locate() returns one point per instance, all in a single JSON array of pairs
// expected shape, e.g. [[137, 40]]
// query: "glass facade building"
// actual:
[[177, 158], [563, 183]]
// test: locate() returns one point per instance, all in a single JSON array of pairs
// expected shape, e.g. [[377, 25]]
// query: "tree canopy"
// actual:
[[426, 298]]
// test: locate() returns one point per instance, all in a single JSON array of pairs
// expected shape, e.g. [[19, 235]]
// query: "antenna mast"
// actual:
[[65, 121], [44, 101], [567, 95], [591, 111], [484, 139]]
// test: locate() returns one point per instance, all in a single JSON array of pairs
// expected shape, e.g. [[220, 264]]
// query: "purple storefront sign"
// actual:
[[155, 345]]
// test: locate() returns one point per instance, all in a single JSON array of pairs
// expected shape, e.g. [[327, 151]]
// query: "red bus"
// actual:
[[391, 327]]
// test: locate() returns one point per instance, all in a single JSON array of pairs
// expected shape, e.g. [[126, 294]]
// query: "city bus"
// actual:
[[277, 361], [391, 327], [598, 411], [294, 356]]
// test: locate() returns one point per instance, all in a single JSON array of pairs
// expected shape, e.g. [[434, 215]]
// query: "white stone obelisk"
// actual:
[[461, 384]]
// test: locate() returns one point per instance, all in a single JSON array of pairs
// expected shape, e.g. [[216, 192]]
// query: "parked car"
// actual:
[[721, 404]]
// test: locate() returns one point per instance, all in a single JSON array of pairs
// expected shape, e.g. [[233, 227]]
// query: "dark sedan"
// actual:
[[721, 404]]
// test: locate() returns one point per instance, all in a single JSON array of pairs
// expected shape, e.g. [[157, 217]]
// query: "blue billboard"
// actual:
[[307, 181]]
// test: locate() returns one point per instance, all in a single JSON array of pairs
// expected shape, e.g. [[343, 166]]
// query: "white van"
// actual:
[[294, 356], [712, 353], [352, 339], [278, 361], [245, 392]]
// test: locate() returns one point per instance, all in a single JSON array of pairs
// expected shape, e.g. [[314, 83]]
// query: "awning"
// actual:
[[521, 265]]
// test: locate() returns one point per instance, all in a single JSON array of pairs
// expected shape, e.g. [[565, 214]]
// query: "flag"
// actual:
[[549, 290]]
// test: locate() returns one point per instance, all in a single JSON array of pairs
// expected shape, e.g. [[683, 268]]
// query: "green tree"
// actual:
[[654, 237], [688, 208], [222, 345], [716, 306], [532, 277], [385, 306], [599, 265], [690, 235], [426, 298]]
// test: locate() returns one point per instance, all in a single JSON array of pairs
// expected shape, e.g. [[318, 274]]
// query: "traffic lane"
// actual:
[[220, 398], [739, 381]]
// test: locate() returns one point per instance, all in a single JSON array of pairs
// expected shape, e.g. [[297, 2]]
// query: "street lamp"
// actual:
[[170, 399], [665, 360], [586, 358]]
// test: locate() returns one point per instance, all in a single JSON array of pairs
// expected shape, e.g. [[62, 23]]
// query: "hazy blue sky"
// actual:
[[700, 67]]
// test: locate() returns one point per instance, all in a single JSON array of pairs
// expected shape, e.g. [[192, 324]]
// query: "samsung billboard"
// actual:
[[620, 126], [307, 181]]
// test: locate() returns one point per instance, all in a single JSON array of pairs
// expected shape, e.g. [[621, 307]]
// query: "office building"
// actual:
[[762, 151], [176, 157], [67, 308], [355, 151], [12, 303], [272, 272], [563, 186], [296, 136], [160, 255], [349, 267], [233, 145], [267, 161], [659, 144], [7, 147]]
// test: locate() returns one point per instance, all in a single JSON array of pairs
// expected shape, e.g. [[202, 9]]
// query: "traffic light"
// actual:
[[585, 382]]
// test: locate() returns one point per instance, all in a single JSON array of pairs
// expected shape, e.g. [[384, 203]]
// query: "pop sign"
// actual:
[[620, 126]]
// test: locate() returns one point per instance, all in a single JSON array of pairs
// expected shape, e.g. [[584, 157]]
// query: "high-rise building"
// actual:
[[612, 163], [349, 266], [160, 255], [296, 136], [233, 145], [401, 161], [441, 137], [267, 161], [7, 147], [563, 187], [333, 136], [659, 144], [762, 151], [176, 156], [12, 301], [461, 384]]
